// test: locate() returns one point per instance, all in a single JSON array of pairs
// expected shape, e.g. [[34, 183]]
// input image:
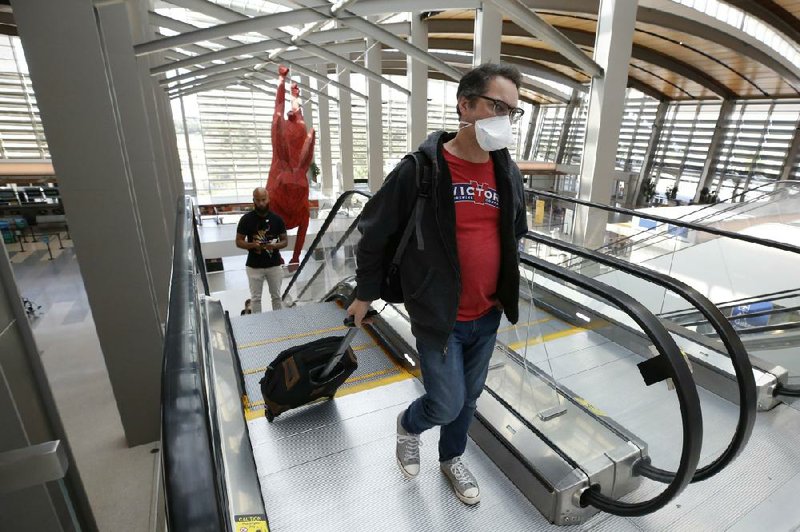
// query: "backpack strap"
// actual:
[[423, 191], [423, 180]]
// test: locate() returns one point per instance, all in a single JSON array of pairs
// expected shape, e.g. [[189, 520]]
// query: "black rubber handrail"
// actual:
[[731, 207], [190, 478], [689, 401], [321, 232], [748, 400], [770, 312], [769, 328], [198, 253], [679, 223], [767, 296]]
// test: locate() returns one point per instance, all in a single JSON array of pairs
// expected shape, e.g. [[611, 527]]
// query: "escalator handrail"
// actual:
[[321, 232], [770, 312], [748, 396], [664, 343], [656, 238], [760, 298], [769, 328], [732, 206], [783, 246], [190, 478], [686, 392]]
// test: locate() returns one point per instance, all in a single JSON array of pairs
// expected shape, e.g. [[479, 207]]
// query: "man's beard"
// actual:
[[263, 211]]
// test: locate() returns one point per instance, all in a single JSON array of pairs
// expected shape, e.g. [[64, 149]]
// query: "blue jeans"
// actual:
[[453, 381]]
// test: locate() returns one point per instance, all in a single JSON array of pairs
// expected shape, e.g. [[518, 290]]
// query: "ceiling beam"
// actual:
[[771, 14], [237, 21], [319, 37], [514, 53], [587, 39], [244, 74], [670, 15], [466, 62], [292, 55], [401, 70], [538, 27]]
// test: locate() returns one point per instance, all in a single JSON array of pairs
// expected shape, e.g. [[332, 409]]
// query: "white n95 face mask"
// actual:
[[494, 133]]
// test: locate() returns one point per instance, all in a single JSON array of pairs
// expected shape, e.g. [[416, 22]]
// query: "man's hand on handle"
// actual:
[[358, 309]]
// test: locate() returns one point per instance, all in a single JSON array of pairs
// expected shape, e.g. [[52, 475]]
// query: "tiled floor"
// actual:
[[118, 479]]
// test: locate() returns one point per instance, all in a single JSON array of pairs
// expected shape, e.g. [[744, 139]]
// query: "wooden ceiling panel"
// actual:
[[723, 63], [733, 72], [566, 70], [668, 82], [578, 23], [455, 14], [529, 42]]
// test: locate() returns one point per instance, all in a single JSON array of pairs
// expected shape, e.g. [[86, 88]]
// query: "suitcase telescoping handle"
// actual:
[[349, 322]]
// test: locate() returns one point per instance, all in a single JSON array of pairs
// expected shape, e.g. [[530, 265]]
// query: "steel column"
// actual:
[[81, 113], [324, 132], [488, 33], [649, 155], [615, 27], [564, 134], [374, 118], [531, 132], [713, 149], [345, 133], [418, 83], [791, 155]]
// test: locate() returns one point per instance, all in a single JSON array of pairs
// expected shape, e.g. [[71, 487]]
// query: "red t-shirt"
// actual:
[[477, 234]]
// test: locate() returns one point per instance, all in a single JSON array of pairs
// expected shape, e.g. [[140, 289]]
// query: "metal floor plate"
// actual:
[[331, 466], [261, 337]]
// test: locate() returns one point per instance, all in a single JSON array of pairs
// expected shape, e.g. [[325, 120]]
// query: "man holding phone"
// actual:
[[262, 233]]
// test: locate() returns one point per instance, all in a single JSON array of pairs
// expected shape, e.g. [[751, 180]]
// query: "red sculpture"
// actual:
[[292, 151]]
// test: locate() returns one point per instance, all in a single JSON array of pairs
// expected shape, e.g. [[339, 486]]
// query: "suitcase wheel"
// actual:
[[269, 415]]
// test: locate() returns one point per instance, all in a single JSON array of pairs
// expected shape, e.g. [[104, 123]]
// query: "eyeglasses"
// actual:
[[501, 108]]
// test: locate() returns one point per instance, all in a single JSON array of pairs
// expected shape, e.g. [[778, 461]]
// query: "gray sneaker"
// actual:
[[407, 450], [463, 482]]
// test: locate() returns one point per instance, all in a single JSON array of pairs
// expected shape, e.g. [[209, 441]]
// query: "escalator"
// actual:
[[726, 267], [650, 239], [768, 324], [590, 412]]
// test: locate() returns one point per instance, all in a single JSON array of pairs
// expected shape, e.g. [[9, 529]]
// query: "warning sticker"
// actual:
[[251, 523]]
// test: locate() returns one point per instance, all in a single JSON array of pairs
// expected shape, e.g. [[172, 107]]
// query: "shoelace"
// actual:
[[459, 471], [412, 445]]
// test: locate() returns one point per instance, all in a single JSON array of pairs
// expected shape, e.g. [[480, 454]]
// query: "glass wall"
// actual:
[[223, 135], [757, 136], [21, 131]]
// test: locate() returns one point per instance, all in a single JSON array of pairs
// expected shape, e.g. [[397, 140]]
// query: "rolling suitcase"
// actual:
[[304, 373]]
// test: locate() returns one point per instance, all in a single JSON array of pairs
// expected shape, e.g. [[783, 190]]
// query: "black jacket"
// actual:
[[431, 278]]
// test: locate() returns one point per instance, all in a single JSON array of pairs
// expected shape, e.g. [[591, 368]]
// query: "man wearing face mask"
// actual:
[[262, 233], [462, 274]]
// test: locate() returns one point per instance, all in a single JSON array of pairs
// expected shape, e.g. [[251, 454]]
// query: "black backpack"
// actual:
[[391, 288], [294, 378]]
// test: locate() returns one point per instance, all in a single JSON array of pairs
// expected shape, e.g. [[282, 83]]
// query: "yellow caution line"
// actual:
[[264, 368], [558, 334], [397, 377], [250, 415], [292, 337], [590, 407], [546, 338], [370, 375], [252, 410], [535, 322]]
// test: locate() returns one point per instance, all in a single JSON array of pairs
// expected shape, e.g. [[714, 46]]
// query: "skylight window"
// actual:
[[748, 24]]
